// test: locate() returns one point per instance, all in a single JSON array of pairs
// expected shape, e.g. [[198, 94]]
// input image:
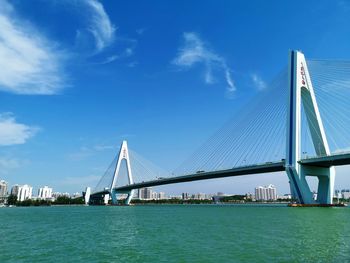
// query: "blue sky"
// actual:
[[80, 77]]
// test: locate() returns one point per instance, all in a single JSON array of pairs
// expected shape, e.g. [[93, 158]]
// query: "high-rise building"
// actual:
[[135, 194], [45, 192], [22, 192], [145, 193], [200, 196], [3, 188], [267, 193], [337, 194], [260, 193], [186, 196], [154, 196], [14, 190]]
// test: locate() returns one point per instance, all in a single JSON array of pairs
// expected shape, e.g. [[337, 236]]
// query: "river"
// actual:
[[174, 233]]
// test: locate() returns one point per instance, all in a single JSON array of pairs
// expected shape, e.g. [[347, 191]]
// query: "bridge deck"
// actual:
[[255, 169], [324, 161], [327, 161]]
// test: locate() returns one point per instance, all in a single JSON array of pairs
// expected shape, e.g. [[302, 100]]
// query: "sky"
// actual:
[[79, 76]]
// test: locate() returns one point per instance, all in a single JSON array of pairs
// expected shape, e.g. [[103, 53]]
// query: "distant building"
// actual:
[[337, 194], [250, 196], [145, 193], [175, 196], [3, 189], [267, 193], [154, 195], [45, 193], [285, 197], [135, 194], [186, 196], [76, 194], [345, 193], [200, 196], [161, 196], [23, 192]]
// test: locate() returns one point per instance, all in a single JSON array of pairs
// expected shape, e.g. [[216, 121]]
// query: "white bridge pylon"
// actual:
[[123, 155], [301, 93]]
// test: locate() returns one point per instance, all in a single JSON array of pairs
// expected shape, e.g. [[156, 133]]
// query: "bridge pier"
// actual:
[[127, 199], [326, 176], [301, 93], [114, 197]]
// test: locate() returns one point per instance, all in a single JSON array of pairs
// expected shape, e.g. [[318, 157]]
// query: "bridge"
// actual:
[[287, 117]]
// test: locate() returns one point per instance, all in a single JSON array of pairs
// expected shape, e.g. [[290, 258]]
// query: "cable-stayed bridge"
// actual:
[[300, 124]]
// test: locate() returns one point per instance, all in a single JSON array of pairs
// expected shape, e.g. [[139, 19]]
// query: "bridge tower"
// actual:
[[123, 155], [301, 93]]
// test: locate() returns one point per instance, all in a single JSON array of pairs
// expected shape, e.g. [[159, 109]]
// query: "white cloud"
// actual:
[[12, 132], [30, 64], [258, 82], [194, 51], [100, 25]]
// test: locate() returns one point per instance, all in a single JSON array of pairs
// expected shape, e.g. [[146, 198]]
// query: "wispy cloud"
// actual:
[[100, 26], [127, 53], [195, 51], [258, 82], [141, 31], [102, 147], [90, 180], [30, 63], [12, 132], [83, 153], [96, 39], [132, 64], [110, 59], [7, 164], [86, 152]]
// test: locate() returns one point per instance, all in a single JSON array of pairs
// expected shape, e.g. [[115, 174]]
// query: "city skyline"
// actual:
[[88, 83]]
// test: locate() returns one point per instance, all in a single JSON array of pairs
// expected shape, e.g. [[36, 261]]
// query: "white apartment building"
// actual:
[[267, 193], [200, 196], [45, 193], [22, 192], [3, 188], [345, 193], [154, 196], [161, 196]]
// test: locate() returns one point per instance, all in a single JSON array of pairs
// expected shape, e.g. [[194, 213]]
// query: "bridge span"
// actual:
[[257, 137], [324, 161]]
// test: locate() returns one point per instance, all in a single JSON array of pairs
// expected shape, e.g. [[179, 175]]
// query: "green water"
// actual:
[[183, 233]]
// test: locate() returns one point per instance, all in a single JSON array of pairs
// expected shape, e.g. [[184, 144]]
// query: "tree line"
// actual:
[[61, 200]]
